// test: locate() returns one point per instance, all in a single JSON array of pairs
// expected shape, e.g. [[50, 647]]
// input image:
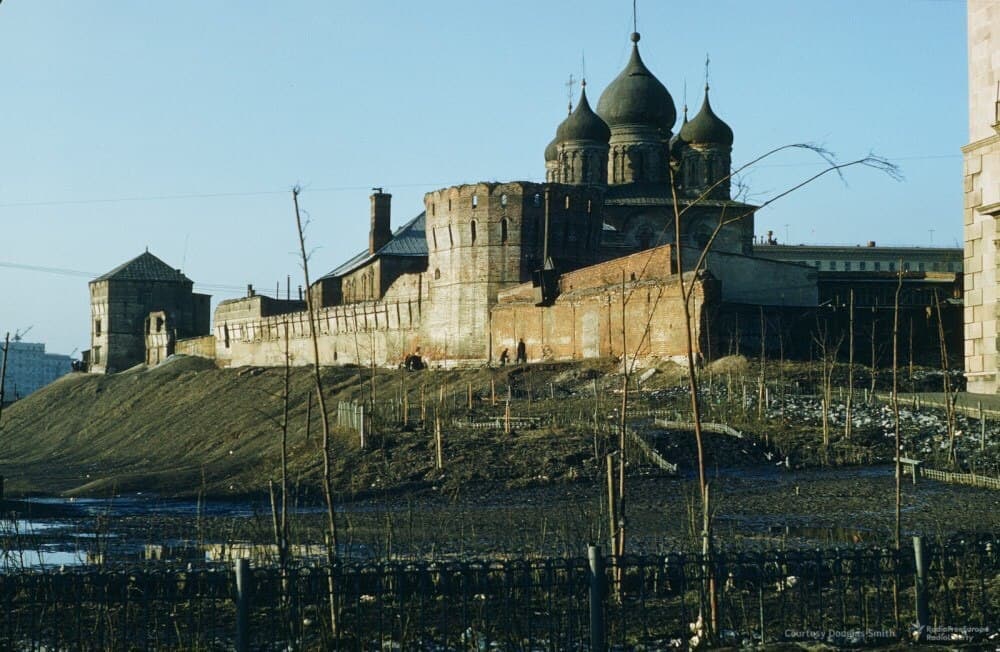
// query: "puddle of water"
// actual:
[[42, 557]]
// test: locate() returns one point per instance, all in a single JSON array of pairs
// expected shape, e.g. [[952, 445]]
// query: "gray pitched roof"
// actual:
[[408, 240], [144, 267]]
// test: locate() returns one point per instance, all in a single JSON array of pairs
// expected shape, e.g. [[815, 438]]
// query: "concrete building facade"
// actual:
[[981, 178], [29, 368]]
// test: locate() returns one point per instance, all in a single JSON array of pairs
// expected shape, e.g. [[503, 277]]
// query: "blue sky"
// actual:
[[181, 126]]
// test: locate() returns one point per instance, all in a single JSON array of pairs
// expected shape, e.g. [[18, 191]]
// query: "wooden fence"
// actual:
[[970, 479]]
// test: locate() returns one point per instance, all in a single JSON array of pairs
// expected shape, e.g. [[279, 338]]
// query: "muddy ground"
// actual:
[[190, 431]]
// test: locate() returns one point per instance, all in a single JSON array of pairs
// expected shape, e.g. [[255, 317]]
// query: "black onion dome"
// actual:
[[636, 96], [707, 128], [552, 150], [583, 124]]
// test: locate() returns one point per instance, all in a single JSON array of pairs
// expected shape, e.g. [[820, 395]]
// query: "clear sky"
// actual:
[[181, 126]]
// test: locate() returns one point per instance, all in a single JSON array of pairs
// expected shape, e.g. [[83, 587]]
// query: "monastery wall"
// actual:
[[587, 322]]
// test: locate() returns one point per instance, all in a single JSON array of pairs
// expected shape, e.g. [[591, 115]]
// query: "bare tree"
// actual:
[[849, 415], [895, 399], [827, 348], [686, 290], [331, 524], [946, 381]]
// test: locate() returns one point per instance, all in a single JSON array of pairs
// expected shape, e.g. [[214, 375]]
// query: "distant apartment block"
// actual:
[[29, 368]]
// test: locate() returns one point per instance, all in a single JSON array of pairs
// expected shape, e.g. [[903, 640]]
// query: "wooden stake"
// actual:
[[437, 440], [493, 392], [470, 395]]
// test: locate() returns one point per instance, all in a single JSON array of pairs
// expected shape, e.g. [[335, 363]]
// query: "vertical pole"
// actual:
[[920, 588], [361, 424], [242, 605], [982, 428], [439, 460], [597, 595], [470, 395], [493, 392], [3, 369]]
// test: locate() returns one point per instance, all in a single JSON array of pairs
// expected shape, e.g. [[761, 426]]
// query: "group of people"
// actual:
[[522, 354], [414, 361]]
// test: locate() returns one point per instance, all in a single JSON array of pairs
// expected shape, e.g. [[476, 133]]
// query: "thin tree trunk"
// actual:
[[895, 399], [331, 519], [848, 421], [3, 372], [946, 380]]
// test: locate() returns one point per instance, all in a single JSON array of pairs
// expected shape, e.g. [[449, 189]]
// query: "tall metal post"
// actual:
[[242, 605], [598, 582], [920, 587]]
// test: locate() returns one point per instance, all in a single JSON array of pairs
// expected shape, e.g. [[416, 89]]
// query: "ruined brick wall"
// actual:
[[587, 322]]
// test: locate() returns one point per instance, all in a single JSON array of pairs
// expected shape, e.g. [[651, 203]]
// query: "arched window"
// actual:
[[567, 202], [437, 274], [503, 199], [503, 230], [475, 201], [472, 227], [537, 199]]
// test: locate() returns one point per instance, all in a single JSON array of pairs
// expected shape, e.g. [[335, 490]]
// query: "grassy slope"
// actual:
[[165, 429]]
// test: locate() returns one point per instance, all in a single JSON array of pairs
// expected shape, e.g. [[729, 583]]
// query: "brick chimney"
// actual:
[[380, 233]]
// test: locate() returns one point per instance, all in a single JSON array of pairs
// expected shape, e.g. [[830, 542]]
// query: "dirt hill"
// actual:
[[186, 427]]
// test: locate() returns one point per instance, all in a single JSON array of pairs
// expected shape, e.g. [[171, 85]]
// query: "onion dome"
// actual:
[[583, 124], [707, 128], [552, 150], [676, 141], [636, 96]]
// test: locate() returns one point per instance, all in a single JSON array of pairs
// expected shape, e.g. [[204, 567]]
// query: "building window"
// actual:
[[503, 230], [437, 274], [434, 236], [537, 199], [97, 328], [951, 267], [832, 266], [472, 226], [449, 204], [96, 357], [906, 267], [225, 335], [920, 267], [503, 199], [862, 266], [878, 266], [567, 202], [892, 267], [475, 201], [819, 263], [433, 209], [847, 265]]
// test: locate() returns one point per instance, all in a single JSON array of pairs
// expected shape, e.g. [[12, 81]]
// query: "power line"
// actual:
[[61, 271], [210, 195]]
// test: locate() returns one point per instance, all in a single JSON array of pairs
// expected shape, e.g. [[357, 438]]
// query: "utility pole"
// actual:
[[3, 371]]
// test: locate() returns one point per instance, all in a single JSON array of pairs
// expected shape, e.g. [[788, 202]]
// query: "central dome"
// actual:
[[636, 97]]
